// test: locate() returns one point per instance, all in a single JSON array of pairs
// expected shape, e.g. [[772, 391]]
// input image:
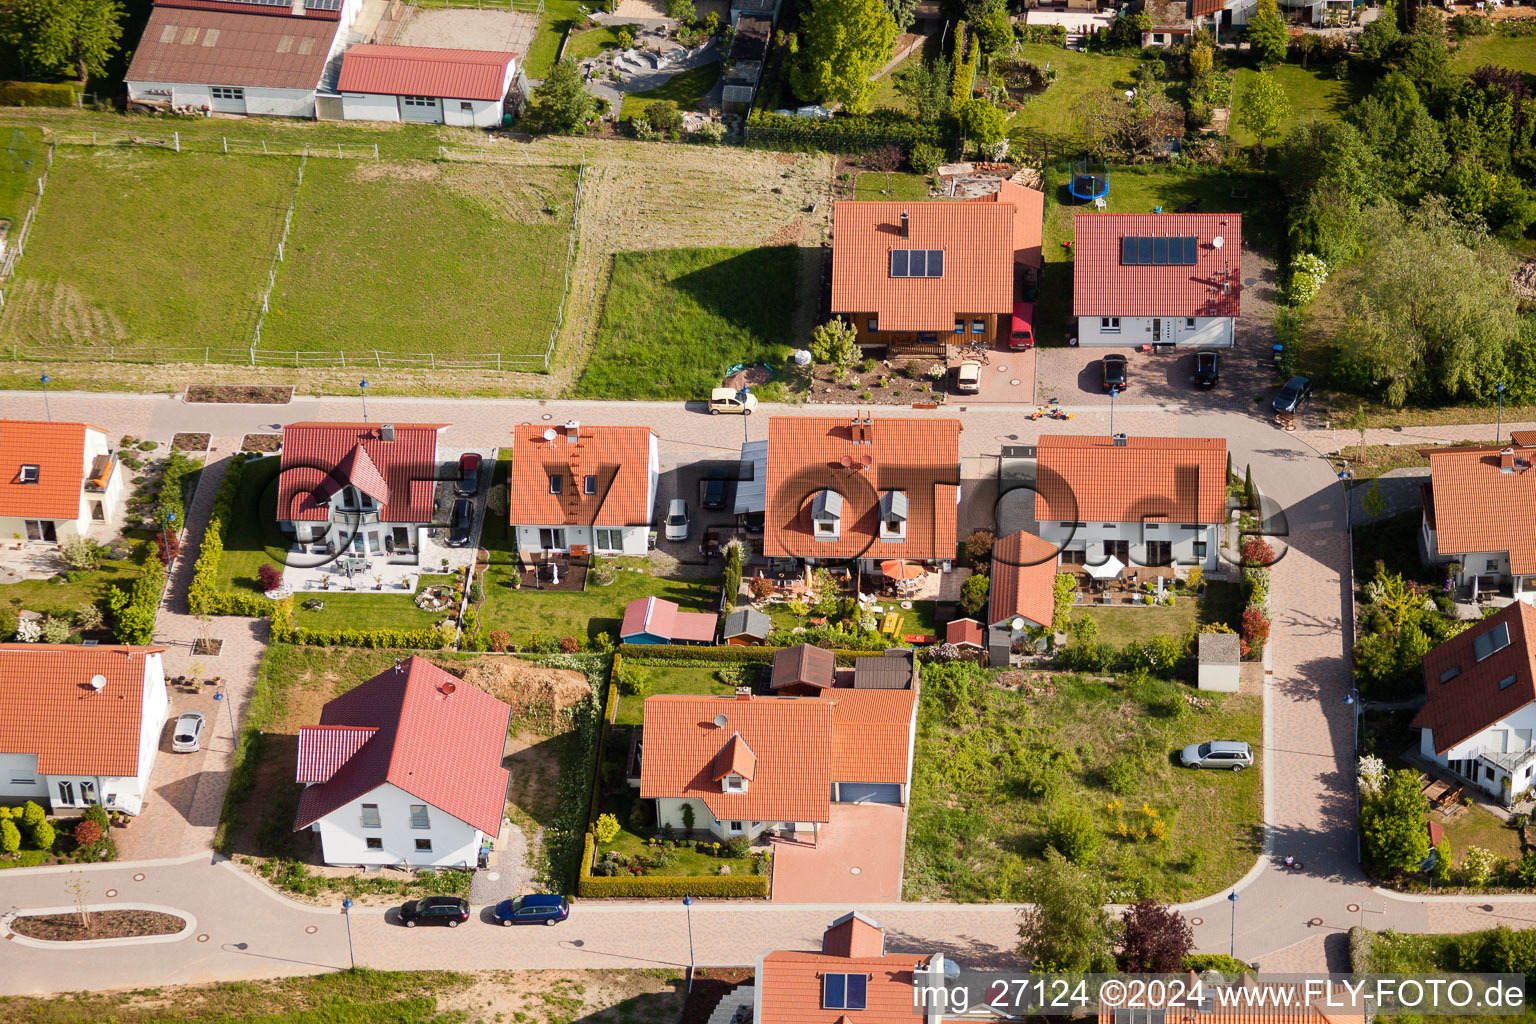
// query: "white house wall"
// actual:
[[481, 113], [357, 106], [1093, 535], [1509, 735], [19, 780], [343, 840], [634, 539], [1207, 332], [269, 102]]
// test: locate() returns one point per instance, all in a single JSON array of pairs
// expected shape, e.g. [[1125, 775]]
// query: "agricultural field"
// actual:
[[417, 258], [145, 251]]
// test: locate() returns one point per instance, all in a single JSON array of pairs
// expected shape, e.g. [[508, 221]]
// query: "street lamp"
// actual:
[[221, 695], [1232, 899], [1498, 430], [362, 388], [1112, 393], [1345, 476], [688, 906], [346, 912], [44, 379]]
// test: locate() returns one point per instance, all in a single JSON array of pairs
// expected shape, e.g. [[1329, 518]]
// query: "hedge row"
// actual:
[[728, 653], [204, 596], [284, 632], [590, 886], [1051, 35], [38, 94], [135, 606], [841, 134]]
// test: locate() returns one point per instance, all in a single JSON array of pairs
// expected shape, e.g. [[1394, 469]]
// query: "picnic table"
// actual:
[[1436, 790]]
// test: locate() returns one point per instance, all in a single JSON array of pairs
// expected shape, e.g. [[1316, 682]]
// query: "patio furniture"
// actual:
[[1436, 790]]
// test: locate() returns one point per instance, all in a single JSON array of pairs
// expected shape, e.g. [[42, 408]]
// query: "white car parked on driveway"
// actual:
[[187, 736]]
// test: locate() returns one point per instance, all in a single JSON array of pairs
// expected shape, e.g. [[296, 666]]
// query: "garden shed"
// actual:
[[1220, 661]]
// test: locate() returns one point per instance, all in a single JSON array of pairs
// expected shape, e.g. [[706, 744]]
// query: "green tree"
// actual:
[[1267, 34], [1379, 40], [10, 836], [560, 105], [994, 29], [1392, 823], [973, 594], [981, 122], [836, 343], [1065, 590], [1418, 154], [1265, 107], [925, 87], [1201, 59], [842, 43], [682, 10], [1073, 832], [902, 12], [1424, 55], [64, 37], [926, 158], [607, 828], [1065, 928]]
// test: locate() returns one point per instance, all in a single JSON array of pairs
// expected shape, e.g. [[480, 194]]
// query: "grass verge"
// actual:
[[687, 90]]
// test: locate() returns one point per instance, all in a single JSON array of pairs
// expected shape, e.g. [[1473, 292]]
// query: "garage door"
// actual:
[[868, 793], [426, 109], [227, 99]]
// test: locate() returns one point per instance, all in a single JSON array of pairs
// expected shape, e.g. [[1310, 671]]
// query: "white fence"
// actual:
[[16, 244], [261, 314]]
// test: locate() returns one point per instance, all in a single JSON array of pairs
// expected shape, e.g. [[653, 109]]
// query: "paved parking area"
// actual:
[[1007, 376], [857, 860], [686, 480]]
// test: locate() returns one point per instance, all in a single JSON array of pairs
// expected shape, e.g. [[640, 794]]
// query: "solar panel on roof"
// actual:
[[1128, 250], [323, 5], [266, 3], [935, 262], [1189, 251], [917, 265], [1143, 250], [1154, 250], [1159, 251], [899, 262]]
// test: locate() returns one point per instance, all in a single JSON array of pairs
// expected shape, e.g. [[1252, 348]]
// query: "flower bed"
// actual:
[[99, 924], [435, 599]]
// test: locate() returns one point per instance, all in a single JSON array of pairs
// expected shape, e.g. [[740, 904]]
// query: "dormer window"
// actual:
[[29, 474], [844, 991], [733, 783], [893, 516], [554, 483], [827, 514]]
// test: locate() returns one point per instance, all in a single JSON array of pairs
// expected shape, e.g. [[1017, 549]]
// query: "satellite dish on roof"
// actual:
[[847, 461], [1218, 242], [550, 433], [98, 683], [1018, 623], [720, 721]]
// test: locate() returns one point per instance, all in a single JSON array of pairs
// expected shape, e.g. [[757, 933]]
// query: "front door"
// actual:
[[1157, 330], [41, 529]]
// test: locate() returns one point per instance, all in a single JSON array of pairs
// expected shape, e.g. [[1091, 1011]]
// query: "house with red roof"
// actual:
[[917, 277], [750, 765], [58, 480], [863, 489], [1146, 501], [655, 620], [583, 489], [1478, 506], [1022, 596], [430, 85], [405, 769], [361, 487], [1157, 278], [80, 725]]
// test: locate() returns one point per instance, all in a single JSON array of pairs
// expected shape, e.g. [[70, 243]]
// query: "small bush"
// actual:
[[87, 832], [1074, 834], [607, 828], [56, 630], [10, 836], [925, 158], [44, 835], [89, 617], [270, 577], [569, 645], [738, 846], [38, 94]]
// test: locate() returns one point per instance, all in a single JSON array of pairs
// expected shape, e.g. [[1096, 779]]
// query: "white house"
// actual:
[[364, 487], [1479, 713], [239, 56], [583, 489], [1148, 501], [1157, 278], [80, 725], [405, 769], [58, 480], [417, 83], [1476, 505]]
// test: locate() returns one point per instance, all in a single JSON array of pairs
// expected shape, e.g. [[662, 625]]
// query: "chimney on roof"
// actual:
[[1506, 460], [572, 431], [1119, 440], [905, 221], [856, 429], [869, 430], [298, 8], [743, 693], [387, 432]]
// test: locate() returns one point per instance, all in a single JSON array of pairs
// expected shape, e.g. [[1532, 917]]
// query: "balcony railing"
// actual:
[[355, 518]]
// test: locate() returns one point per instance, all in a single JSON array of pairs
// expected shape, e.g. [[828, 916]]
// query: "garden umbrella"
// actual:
[[1108, 569], [896, 569]]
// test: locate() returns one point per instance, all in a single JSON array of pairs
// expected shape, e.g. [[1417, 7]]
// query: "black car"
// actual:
[[1206, 368], [537, 908], [1289, 398], [463, 519], [469, 474], [714, 493], [1114, 372], [448, 910]]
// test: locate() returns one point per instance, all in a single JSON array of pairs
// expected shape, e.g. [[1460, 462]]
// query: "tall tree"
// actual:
[[560, 105], [925, 87], [981, 122], [903, 12], [64, 37], [1392, 823], [1156, 939], [842, 43], [1265, 107], [1066, 928], [1267, 34]]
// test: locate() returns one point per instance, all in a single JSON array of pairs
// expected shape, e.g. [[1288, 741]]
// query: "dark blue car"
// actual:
[[538, 908]]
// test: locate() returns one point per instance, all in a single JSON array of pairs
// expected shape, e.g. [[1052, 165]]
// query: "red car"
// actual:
[[469, 474], [1023, 334]]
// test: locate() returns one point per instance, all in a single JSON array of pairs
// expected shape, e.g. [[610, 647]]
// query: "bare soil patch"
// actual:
[[865, 387], [558, 997], [378, 171], [261, 442], [710, 985], [191, 442], [533, 762], [529, 688], [246, 394], [100, 924]]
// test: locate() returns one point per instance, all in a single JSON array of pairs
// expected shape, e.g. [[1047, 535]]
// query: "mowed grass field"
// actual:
[[148, 250], [1518, 52], [18, 179], [453, 259], [1311, 95], [1058, 111]]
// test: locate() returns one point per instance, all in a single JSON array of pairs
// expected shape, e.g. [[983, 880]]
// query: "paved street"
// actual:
[[1288, 921]]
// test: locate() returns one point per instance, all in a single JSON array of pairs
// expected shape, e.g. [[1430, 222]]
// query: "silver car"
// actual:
[[679, 522], [187, 736], [1233, 755]]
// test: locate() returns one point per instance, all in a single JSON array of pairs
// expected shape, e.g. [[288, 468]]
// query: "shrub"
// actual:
[[925, 158], [978, 547], [634, 681], [31, 814], [569, 645], [10, 836], [44, 835], [973, 594], [1121, 774], [1255, 631], [55, 630], [674, 886], [607, 828], [98, 814], [270, 577], [38, 94], [663, 115], [1219, 962], [738, 846], [89, 617], [500, 640], [80, 553], [1478, 865], [134, 607], [87, 832], [1257, 552], [29, 631], [1074, 834], [761, 587]]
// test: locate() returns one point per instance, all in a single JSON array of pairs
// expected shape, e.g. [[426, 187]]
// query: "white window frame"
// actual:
[[363, 816], [1109, 325], [419, 101], [227, 92], [421, 816], [28, 474], [608, 538], [424, 845]]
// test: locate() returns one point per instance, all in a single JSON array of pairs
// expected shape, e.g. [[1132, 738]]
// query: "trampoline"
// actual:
[[1089, 181]]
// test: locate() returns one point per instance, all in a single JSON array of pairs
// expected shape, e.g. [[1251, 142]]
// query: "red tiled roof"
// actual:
[[736, 757], [1171, 479], [803, 665], [424, 71], [1199, 8], [919, 457], [871, 733], [619, 457], [237, 7], [1472, 700], [1023, 579], [791, 737], [1028, 222], [318, 458], [58, 450], [791, 987], [247, 49], [49, 707], [977, 240], [1101, 286], [325, 748], [660, 617], [1476, 506], [442, 748], [965, 631], [853, 935]]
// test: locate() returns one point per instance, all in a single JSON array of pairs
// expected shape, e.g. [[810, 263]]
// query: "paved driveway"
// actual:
[[857, 860]]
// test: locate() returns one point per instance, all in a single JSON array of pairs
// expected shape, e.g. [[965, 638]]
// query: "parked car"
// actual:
[[731, 401], [463, 520], [1289, 398], [449, 910], [679, 522], [537, 908], [469, 474], [1207, 368], [187, 736], [1023, 333], [714, 493], [1233, 755], [968, 377], [1113, 370]]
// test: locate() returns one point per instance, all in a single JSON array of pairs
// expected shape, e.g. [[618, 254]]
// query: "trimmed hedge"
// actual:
[[284, 632], [843, 133], [136, 605], [731, 654], [38, 94], [590, 886]]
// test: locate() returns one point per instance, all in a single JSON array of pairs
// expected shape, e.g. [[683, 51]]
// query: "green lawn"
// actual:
[[557, 17], [1518, 52], [388, 610], [593, 611], [1057, 112], [1119, 626], [676, 319], [253, 537], [1476, 827], [147, 250], [453, 259], [1312, 95], [918, 620], [894, 186], [592, 42], [689, 860], [64, 599], [885, 95], [993, 765], [687, 90], [665, 677], [18, 184]]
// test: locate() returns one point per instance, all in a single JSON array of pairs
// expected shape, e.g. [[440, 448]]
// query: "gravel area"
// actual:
[[99, 924]]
